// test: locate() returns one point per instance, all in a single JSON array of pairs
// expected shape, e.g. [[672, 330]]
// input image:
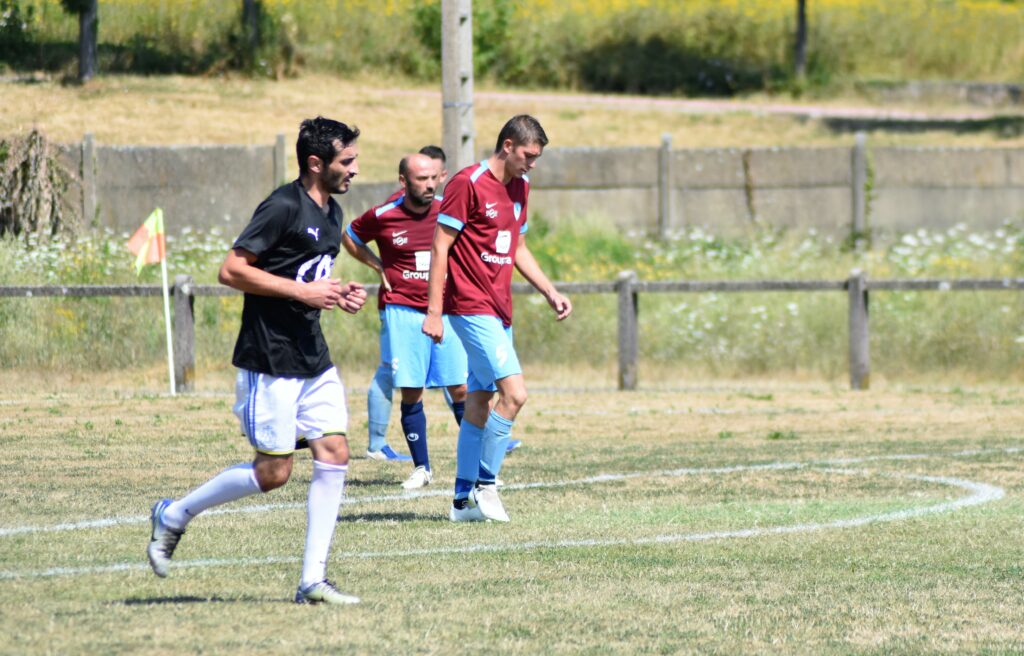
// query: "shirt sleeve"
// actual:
[[457, 206], [364, 229], [268, 225]]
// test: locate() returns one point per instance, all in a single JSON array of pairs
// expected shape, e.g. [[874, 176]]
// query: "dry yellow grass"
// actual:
[[571, 573], [396, 116]]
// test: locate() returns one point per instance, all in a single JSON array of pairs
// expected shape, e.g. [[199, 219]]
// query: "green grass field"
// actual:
[[710, 517]]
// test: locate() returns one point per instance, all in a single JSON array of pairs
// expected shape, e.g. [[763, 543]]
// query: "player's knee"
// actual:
[[515, 399], [271, 478], [457, 393]]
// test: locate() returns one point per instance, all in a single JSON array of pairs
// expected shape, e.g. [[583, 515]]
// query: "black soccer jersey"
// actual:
[[295, 238]]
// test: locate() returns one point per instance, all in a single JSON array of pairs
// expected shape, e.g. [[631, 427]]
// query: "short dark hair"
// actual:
[[317, 137], [403, 167], [522, 129], [434, 152]]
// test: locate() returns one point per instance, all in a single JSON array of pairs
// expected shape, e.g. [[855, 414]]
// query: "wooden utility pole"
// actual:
[[457, 82], [800, 54]]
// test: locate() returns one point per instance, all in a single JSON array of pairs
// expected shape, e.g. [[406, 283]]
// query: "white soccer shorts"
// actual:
[[274, 411]]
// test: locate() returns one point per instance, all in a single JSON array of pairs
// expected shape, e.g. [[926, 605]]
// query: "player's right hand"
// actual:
[[433, 327], [323, 294]]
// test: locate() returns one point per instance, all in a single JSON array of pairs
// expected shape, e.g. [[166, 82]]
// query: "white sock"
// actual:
[[325, 492], [231, 484]]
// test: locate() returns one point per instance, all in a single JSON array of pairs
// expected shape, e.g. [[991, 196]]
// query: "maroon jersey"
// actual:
[[490, 216], [403, 241]]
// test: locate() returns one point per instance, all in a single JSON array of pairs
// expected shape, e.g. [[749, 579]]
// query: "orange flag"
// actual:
[[147, 244]]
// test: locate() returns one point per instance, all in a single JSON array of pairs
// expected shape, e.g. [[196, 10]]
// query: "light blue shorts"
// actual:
[[416, 361], [489, 348]]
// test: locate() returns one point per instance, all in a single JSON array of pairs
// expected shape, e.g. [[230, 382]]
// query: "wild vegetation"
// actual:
[[915, 334], [651, 46]]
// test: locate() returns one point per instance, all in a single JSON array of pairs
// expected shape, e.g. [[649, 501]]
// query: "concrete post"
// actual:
[[860, 355], [457, 82], [858, 190], [89, 218], [184, 335], [280, 162], [665, 185], [628, 330]]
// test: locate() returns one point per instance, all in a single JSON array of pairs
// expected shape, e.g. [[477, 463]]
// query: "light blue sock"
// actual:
[[468, 463], [378, 407], [497, 431]]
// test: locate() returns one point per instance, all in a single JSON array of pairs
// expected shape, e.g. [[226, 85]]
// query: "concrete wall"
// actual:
[[197, 186], [724, 190]]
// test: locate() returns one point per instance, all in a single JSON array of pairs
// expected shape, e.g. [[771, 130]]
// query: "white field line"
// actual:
[[600, 478], [980, 493]]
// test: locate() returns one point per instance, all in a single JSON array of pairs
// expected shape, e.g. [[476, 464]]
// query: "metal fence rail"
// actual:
[[627, 287]]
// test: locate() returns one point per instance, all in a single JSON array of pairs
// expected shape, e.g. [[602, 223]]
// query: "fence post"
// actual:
[[665, 185], [858, 190], [860, 355], [89, 180], [184, 334], [628, 334], [280, 161]]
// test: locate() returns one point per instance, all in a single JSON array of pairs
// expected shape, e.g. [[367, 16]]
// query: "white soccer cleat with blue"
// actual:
[[162, 541], [489, 502], [420, 477], [323, 592], [387, 454]]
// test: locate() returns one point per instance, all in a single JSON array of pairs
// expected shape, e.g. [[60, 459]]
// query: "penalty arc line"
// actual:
[[599, 478], [980, 493]]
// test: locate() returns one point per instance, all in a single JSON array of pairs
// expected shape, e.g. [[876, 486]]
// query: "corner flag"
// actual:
[[149, 248], [147, 244]]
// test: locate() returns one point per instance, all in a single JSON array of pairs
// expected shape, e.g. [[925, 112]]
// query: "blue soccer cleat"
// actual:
[[512, 445]]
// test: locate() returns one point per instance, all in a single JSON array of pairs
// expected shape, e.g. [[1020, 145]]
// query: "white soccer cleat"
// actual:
[[420, 477], [468, 513], [387, 454], [162, 541], [489, 503], [323, 592]]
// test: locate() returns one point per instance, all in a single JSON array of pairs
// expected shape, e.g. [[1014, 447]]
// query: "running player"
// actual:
[[403, 230], [287, 386], [480, 236]]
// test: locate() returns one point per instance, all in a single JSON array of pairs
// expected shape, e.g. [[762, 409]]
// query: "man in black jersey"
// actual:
[[287, 387]]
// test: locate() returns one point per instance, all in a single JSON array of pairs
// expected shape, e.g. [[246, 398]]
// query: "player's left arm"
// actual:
[[527, 265]]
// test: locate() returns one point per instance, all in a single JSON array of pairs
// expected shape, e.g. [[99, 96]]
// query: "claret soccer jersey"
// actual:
[[403, 241], [489, 216]]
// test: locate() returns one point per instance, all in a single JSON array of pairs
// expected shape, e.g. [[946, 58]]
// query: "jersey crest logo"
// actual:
[[491, 213], [315, 232], [398, 239]]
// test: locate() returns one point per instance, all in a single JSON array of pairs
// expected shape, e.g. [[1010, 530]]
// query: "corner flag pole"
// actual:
[[149, 246], [167, 324]]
